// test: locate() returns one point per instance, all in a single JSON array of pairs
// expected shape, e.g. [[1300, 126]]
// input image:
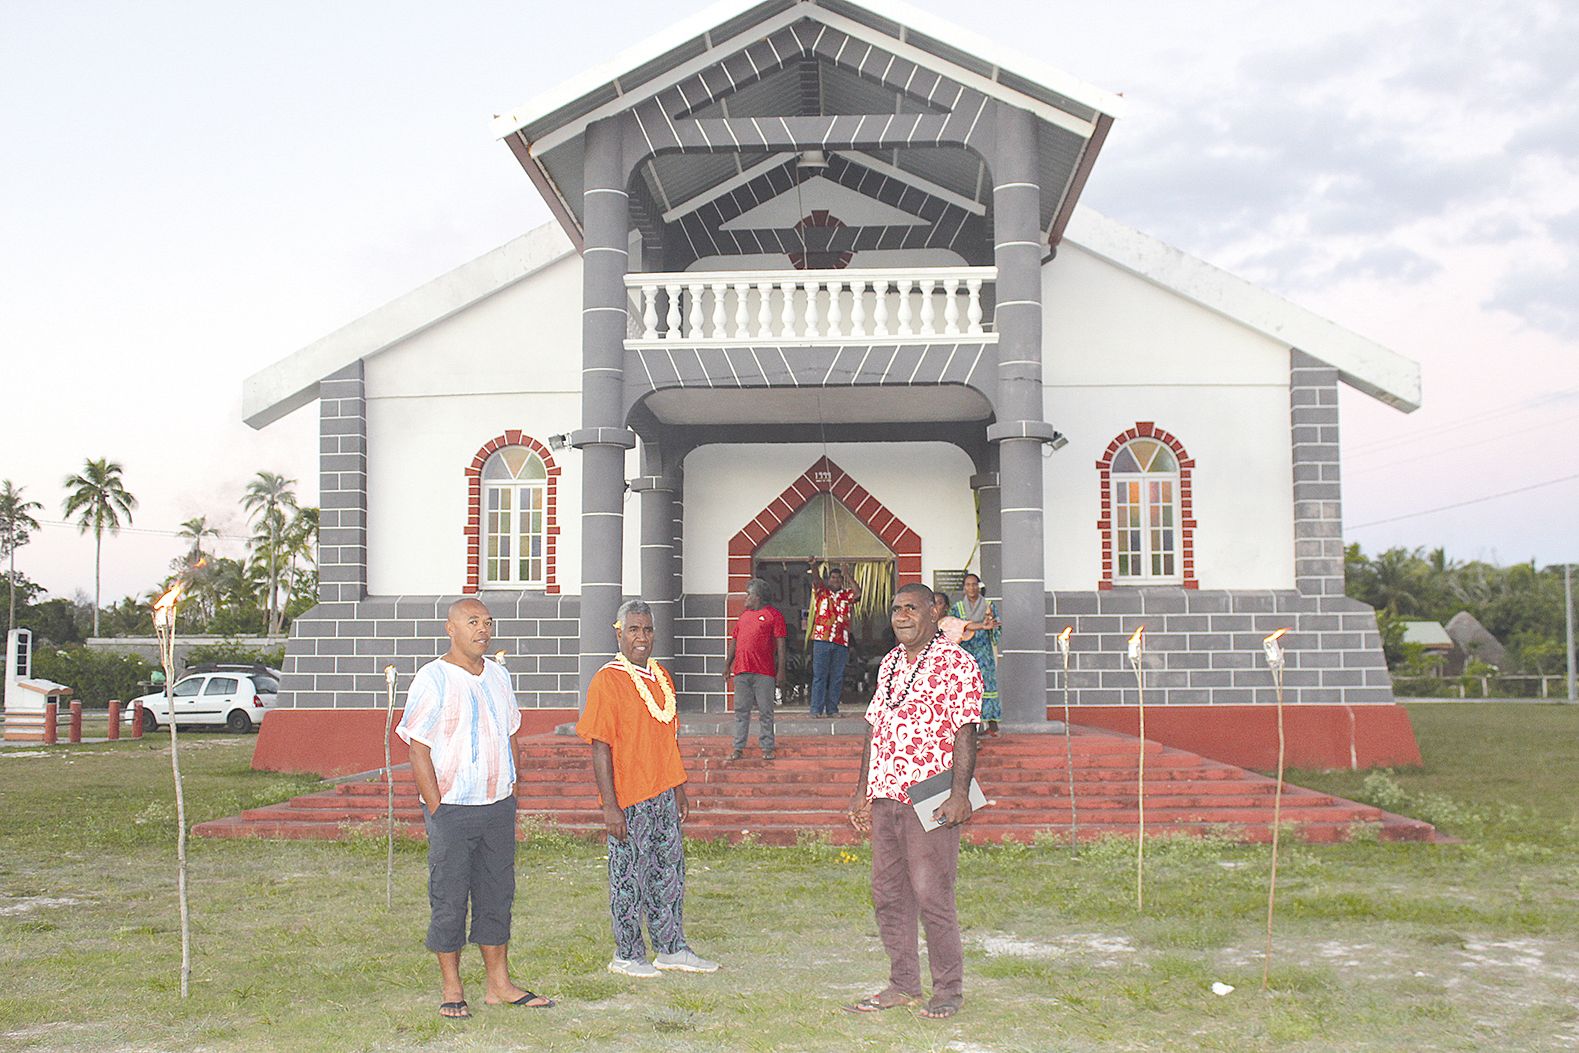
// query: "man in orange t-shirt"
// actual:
[[631, 721]]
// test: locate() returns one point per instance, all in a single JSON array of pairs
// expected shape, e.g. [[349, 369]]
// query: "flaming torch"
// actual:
[[389, 784], [1273, 648], [164, 629], [1069, 750], [1137, 651]]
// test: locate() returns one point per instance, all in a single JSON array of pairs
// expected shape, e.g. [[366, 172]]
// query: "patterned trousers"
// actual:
[[647, 879]]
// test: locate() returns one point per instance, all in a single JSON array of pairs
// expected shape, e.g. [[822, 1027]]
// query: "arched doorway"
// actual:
[[826, 514]]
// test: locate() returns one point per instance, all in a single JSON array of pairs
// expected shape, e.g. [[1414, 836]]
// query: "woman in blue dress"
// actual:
[[981, 637]]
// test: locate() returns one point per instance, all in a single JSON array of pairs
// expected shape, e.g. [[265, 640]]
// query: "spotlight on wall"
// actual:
[[558, 442], [1058, 441]]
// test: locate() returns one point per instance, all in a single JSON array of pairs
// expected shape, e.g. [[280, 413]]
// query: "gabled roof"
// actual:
[[292, 382], [685, 71], [1361, 363]]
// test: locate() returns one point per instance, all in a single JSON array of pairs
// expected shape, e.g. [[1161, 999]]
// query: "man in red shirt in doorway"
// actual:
[[755, 659], [831, 606]]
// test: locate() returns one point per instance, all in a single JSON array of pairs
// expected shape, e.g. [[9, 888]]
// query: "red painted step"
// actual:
[[806, 789]]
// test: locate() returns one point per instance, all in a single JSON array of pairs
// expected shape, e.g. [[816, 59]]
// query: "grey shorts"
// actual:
[[471, 857]]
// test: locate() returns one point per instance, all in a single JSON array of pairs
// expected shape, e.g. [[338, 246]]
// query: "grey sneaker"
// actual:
[[640, 968], [686, 960]]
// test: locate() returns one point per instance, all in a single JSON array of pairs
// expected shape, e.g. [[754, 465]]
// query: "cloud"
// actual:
[[1543, 296]]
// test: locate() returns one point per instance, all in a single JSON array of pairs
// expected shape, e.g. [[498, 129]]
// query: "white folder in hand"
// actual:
[[928, 795]]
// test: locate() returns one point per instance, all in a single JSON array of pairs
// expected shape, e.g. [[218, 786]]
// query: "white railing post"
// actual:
[[787, 315], [672, 319], [950, 306], [649, 312], [694, 331], [903, 285], [811, 310], [973, 308], [880, 307], [742, 316], [765, 311], [719, 289], [858, 307], [835, 315]]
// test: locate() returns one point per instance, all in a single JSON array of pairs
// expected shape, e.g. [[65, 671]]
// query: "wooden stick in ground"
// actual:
[[389, 784], [1069, 750], [164, 628], [1274, 657], [1136, 654]]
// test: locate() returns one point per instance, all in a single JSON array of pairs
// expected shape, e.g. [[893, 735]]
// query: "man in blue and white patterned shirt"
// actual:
[[460, 721]]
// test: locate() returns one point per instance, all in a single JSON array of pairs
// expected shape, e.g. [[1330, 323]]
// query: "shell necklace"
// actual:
[[664, 715]]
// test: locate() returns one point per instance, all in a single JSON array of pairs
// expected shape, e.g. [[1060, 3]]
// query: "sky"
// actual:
[[196, 190]]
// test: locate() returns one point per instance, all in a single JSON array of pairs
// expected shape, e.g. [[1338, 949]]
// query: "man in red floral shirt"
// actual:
[[923, 721], [831, 606]]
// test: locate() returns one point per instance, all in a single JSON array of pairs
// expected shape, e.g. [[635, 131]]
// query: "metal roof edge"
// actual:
[[718, 14], [1362, 363], [292, 382]]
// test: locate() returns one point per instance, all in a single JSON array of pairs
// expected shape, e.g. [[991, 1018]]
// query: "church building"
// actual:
[[818, 284]]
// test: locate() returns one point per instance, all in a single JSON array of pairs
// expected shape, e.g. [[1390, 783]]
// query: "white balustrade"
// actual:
[[738, 307]]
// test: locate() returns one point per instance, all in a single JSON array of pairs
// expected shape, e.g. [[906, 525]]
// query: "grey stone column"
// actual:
[[342, 486], [1020, 429], [988, 523], [602, 438], [658, 491], [1318, 491]]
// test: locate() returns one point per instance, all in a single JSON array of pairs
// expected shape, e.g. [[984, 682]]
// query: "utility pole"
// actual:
[[1568, 621]]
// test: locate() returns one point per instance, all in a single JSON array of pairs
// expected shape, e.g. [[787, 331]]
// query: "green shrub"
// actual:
[[233, 650], [95, 676]]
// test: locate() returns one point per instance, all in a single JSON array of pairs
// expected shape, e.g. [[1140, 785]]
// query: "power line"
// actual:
[[1474, 420], [1441, 450], [1461, 504], [155, 531]]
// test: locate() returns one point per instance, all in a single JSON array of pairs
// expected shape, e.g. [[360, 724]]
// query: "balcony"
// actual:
[[899, 306]]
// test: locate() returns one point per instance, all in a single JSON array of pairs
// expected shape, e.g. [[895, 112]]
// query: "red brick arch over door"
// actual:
[[474, 509], [824, 477]]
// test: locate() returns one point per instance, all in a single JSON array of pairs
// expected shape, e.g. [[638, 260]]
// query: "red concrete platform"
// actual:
[[806, 789]]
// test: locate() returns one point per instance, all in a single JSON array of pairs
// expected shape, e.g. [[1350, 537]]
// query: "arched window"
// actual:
[[1147, 529], [1145, 512], [511, 522], [514, 493]]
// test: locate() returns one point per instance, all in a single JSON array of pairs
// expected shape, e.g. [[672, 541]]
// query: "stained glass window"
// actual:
[[1145, 481], [515, 490]]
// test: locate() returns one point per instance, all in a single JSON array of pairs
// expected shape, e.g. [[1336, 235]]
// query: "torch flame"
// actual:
[[164, 606], [1135, 644], [1063, 637], [1277, 635], [499, 656], [389, 675]]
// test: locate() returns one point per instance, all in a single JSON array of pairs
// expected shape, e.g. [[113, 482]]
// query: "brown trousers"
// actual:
[[913, 874]]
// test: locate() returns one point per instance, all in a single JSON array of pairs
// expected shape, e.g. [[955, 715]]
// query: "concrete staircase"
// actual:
[[807, 787]]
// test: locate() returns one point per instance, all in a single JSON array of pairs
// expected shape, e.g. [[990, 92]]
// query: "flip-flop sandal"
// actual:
[[875, 1004], [527, 998], [940, 1010], [463, 1011]]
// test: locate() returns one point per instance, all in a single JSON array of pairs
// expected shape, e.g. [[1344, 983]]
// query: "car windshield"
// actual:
[[266, 685]]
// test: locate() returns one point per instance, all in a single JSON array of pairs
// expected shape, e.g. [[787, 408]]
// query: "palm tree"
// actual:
[[16, 526], [299, 543], [98, 498], [267, 498], [195, 530]]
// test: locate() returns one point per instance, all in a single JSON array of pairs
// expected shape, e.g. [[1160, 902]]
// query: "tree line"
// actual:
[[1521, 605], [258, 594]]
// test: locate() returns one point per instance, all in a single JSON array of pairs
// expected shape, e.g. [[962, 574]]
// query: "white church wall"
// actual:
[[509, 362], [927, 485], [1118, 350]]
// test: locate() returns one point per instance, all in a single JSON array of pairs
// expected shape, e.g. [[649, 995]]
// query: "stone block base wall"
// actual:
[[338, 651], [1204, 647]]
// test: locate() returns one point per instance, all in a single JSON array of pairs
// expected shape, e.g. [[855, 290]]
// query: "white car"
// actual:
[[235, 700]]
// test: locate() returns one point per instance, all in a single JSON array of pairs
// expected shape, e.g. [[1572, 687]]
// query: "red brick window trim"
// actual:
[[474, 511], [1184, 528], [824, 477]]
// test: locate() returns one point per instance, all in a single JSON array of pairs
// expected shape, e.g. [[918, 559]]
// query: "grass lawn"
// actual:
[[1468, 946]]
